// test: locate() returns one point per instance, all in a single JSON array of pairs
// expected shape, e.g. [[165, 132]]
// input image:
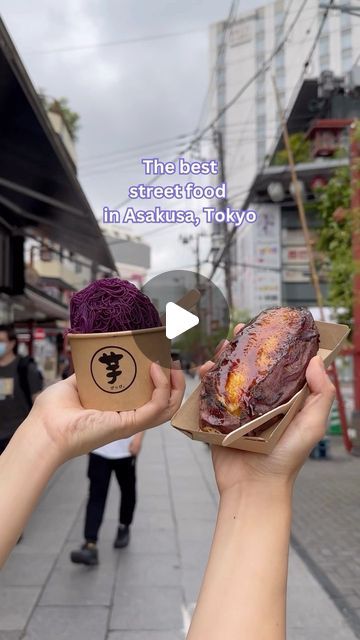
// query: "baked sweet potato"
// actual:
[[260, 369]]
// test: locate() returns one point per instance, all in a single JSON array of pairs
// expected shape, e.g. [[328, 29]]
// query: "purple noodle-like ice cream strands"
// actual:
[[110, 305]]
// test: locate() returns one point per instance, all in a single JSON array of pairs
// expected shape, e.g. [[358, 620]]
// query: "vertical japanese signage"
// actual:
[[267, 257]]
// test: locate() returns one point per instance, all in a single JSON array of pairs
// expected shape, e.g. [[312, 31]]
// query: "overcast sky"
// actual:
[[129, 95]]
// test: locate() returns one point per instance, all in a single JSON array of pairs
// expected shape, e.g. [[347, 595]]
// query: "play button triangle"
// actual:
[[178, 320]]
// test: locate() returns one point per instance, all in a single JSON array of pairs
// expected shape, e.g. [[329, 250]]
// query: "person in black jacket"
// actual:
[[20, 382]]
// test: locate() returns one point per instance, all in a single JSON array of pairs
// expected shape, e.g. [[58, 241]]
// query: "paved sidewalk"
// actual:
[[326, 526], [147, 591]]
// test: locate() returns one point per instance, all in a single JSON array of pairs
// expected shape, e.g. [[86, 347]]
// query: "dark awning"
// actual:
[[38, 184], [36, 305]]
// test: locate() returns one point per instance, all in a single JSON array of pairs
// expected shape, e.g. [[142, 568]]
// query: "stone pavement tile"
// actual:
[[154, 504], [153, 487], [191, 579], [50, 534], [298, 634], [57, 511], [147, 468], [326, 525], [10, 635], [144, 635], [194, 497], [185, 507], [194, 554], [153, 520], [65, 623], [16, 604], [75, 585], [159, 541], [196, 530], [310, 611], [143, 609], [26, 569], [151, 570], [194, 484]]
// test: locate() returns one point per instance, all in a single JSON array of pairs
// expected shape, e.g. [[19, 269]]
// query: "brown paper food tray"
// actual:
[[186, 419]]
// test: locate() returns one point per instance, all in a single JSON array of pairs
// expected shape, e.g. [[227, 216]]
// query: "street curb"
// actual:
[[336, 596]]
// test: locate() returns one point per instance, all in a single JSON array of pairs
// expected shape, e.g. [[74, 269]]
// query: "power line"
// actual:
[[123, 164], [114, 43], [127, 150], [231, 102], [354, 29], [131, 165], [228, 24], [231, 234], [259, 72], [235, 154]]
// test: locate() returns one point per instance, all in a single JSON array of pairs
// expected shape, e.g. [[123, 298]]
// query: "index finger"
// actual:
[[177, 381], [206, 367], [238, 328]]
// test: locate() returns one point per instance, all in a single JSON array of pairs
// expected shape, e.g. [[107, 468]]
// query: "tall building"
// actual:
[[237, 51]]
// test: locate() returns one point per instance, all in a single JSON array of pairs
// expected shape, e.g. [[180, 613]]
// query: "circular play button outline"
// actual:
[[210, 317]]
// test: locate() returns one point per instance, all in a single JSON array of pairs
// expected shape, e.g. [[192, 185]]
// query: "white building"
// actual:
[[251, 125], [130, 252]]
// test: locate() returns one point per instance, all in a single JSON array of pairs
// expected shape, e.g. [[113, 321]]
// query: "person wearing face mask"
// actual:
[[20, 382]]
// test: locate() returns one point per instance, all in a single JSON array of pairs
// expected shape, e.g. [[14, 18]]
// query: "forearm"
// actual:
[[26, 465], [244, 589]]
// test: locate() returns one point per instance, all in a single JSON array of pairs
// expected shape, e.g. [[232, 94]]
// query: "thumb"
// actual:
[[310, 423], [320, 384]]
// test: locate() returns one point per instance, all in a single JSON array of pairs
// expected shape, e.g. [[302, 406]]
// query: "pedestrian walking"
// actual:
[[20, 382], [118, 457]]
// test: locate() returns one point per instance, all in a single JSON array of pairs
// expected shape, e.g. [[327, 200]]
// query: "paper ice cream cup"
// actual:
[[112, 370]]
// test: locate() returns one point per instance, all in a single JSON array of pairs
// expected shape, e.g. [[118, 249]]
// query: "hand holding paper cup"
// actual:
[[113, 326]]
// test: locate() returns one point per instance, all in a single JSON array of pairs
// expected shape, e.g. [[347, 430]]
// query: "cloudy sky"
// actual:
[[135, 98]]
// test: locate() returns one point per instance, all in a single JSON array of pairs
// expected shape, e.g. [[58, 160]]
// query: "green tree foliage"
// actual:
[[334, 241], [300, 147], [61, 106], [71, 118]]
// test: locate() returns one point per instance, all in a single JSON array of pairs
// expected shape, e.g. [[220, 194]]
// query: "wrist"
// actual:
[[33, 436], [259, 491]]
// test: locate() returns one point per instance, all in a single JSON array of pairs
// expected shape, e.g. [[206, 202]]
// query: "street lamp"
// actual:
[[276, 191]]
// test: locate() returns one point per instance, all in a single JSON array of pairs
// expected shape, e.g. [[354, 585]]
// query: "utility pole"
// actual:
[[197, 254], [218, 139], [313, 270], [188, 240], [355, 211]]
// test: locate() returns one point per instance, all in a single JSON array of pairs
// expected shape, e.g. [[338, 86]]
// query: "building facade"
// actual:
[[131, 254], [250, 128]]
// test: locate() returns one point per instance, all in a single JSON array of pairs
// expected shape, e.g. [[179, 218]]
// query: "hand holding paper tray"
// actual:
[[332, 336]]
